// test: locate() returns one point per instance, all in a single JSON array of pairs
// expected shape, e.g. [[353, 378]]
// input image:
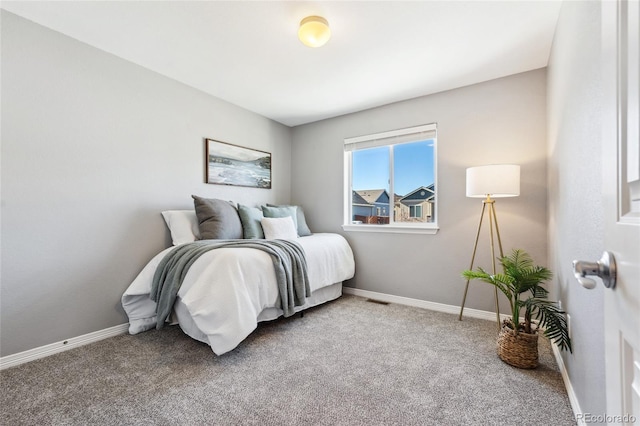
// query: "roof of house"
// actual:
[[356, 199], [421, 193], [371, 195]]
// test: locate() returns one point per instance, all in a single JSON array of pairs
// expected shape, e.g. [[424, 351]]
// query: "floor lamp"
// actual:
[[489, 182]]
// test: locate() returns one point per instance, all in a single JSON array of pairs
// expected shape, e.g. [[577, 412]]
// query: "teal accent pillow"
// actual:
[[303, 228], [281, 211], [250, 218], [217, 219]]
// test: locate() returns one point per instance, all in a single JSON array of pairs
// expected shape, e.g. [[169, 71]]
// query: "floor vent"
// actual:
[[379, 302]]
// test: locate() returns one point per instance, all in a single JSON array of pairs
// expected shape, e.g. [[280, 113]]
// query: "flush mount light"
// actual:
[[314, 31]]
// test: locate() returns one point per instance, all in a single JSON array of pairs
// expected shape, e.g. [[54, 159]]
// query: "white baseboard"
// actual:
[[65, 345], [417, 303], [573, 399]]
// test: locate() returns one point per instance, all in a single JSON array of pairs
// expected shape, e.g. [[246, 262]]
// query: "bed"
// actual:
[[228, 291]]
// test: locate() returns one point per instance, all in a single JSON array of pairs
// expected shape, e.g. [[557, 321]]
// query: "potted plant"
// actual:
[[522, 283]]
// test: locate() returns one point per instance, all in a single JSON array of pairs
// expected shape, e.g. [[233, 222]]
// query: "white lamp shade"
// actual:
[[495, 180]]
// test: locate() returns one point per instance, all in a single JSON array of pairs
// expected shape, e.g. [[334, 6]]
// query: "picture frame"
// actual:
[[229, 164]]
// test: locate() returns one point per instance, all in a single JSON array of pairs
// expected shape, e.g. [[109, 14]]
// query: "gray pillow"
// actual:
[[250, 218], [303, 228], [281, 211], [217, 219]]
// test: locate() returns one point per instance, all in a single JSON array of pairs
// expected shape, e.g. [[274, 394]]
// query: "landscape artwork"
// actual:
[[229, 164]]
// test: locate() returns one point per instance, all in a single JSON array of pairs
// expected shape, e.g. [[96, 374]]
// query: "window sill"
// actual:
[[393, 229]]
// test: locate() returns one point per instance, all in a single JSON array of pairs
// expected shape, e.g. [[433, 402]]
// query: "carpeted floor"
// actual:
[[348, 362]]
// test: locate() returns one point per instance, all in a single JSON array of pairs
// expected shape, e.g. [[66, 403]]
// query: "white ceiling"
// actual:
[[247, 53]]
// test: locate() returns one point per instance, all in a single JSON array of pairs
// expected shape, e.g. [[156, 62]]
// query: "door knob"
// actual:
[[605, 268]]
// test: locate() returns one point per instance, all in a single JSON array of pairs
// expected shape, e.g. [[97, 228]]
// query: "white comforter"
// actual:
[[227, 289]]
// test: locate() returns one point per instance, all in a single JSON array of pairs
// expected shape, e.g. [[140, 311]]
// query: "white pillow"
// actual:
[[281, 228], [183, 225]]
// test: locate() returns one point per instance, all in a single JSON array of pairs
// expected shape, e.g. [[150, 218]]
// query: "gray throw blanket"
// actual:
[[289, 263]]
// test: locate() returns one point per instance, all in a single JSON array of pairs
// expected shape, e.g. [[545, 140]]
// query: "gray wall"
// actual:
[[93, 148], [500, 121], [576, 221]]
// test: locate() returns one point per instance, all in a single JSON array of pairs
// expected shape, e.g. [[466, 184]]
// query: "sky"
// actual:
[[413, 167]]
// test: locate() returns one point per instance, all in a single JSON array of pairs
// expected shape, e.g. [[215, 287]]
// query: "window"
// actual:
[[390, 181]]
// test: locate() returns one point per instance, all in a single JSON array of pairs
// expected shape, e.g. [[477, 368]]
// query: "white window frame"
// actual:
[[393, 137]]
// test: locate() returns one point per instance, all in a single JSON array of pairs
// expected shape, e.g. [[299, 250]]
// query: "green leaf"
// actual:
[[553, 320]]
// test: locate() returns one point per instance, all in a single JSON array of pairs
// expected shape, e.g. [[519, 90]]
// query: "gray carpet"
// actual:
[[348, 362]]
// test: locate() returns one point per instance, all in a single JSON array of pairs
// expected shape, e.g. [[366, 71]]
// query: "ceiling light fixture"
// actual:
[[314, 31]]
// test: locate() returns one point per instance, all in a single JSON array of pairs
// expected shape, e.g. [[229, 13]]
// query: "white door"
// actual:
[[621, 191]]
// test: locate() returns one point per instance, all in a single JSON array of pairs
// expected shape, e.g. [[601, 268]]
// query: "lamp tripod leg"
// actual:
[[492, 222], [495, 222], [473, 257]]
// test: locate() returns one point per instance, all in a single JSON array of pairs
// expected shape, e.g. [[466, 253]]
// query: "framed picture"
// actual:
[[229, 164]]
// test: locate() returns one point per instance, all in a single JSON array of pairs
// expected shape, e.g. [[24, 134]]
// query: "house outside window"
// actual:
[[390, 181]]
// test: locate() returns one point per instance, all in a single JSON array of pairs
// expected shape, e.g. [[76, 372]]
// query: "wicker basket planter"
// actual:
[[522, 283], [519, 350]]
